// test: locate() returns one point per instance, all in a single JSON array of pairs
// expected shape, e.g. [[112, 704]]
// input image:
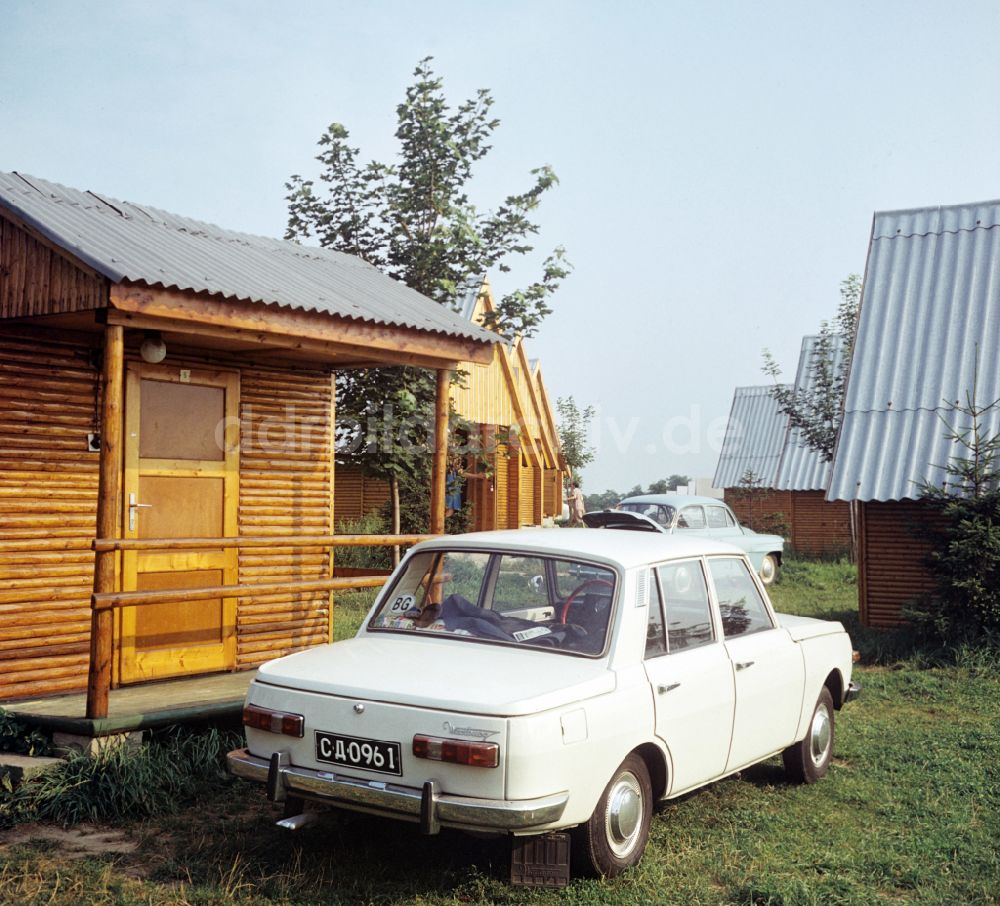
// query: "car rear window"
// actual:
[[506, 598]]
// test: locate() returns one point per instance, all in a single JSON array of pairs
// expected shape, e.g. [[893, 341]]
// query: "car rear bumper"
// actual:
[[426, 804]]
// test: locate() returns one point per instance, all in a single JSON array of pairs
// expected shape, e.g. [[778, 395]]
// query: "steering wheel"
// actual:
[[576, 591]]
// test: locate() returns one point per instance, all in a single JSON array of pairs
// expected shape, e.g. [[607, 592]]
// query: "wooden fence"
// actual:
[[105, 599]]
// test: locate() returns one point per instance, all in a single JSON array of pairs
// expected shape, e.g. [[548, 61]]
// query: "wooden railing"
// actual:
[[105, 600]]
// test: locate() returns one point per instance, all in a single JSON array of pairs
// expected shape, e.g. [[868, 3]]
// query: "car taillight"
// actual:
[[457, 751], [273, 721]]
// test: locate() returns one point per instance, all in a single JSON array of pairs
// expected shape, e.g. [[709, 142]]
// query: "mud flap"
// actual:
[[540, 861]]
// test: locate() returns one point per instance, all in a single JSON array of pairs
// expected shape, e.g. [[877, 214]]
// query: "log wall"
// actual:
[[49, 402], [891, 571], [48, 492], [286, 469], [34, 280], [816, 527], [357, 494]]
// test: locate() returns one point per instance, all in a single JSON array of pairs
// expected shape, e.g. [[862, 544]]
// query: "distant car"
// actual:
[[538, 681], [711, 518]]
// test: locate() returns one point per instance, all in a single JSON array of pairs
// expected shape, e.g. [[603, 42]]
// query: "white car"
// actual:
[[534, 681]]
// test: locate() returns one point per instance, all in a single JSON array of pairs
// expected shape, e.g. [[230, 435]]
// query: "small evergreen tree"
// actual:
[[965, 557]]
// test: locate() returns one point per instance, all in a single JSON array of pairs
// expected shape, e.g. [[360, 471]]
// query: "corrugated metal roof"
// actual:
[[801, 468], [754, 437], [130, 242], [930, 306]]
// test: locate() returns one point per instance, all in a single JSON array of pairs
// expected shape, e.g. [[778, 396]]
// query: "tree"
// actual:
[[414, 220], [667, 485], [573, 425], [964, 560], [816, 409]]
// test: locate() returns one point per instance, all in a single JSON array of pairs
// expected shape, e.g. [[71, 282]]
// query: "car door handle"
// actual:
[[742, 665], [666, 687]]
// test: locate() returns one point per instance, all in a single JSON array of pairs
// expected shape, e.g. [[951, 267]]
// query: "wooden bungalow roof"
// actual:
[[139, 246]]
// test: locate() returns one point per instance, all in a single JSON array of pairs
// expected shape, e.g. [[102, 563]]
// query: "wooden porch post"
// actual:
[[440, 462], [108, 524]]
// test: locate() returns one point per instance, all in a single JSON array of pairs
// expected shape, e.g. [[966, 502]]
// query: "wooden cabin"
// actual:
[[518, 477], [166, 379], [789, 491], [928, 337]]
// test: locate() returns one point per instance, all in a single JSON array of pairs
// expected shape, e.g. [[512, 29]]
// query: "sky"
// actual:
[[719, 162]]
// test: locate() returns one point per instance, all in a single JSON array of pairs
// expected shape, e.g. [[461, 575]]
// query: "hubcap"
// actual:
[[767, 569], [624, 814], [819, 737]]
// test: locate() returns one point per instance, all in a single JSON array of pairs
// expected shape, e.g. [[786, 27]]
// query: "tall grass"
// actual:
[[122, 783]]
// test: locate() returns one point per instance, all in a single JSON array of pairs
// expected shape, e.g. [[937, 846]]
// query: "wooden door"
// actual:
[[181, 481]]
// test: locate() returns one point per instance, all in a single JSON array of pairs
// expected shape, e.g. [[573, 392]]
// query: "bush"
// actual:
[[363, 557], [21, 740]]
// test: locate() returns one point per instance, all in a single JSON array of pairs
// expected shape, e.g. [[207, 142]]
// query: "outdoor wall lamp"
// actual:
[[153, 349]]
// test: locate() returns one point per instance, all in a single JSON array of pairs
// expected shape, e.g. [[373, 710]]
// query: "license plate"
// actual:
[[355, 752]]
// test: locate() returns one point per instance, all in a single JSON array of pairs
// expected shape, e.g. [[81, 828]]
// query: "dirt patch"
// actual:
[[74, 842]]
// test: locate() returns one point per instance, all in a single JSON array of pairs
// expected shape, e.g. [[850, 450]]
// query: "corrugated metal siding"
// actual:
[[48, 489], [801, 468], [931, 304], [892, 572], [129, 242], [754, 437], [34, 280]]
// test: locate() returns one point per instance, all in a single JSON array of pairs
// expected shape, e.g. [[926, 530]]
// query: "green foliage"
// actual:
[[668, 485], [964, 560], [124, 783], [816, 409], [20, 739], [573, 425], [414, 220], [907, 815], [363, 557]]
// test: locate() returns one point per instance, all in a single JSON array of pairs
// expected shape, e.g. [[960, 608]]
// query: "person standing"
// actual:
[[576, 505]]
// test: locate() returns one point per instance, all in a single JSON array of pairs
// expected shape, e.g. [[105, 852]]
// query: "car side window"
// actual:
[[685, 605], [656, 638], [691, 517], [740, 605], [718, 517]]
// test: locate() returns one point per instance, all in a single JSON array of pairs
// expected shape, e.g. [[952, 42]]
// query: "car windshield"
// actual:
[[661, 513], [509, 598]]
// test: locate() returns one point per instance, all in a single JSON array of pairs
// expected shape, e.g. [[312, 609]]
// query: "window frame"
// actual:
[[713, 619], [488, 589], [761, 594]]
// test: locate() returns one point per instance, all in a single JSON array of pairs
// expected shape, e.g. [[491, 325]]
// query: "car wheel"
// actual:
[[615, 836], [768, 571], [809, 760]]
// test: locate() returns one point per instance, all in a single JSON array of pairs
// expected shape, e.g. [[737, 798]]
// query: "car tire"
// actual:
[[768, 571], [615, 837], [809, 760]]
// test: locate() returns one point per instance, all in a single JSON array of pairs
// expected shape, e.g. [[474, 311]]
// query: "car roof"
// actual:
[[674, 500], [614, 546]]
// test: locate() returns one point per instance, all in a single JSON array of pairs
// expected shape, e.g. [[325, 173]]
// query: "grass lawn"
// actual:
[[910, 813]]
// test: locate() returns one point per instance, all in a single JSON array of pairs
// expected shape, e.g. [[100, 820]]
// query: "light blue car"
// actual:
[[707, 516]]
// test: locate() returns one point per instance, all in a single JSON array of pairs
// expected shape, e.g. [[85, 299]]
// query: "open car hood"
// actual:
[[622, 519]]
